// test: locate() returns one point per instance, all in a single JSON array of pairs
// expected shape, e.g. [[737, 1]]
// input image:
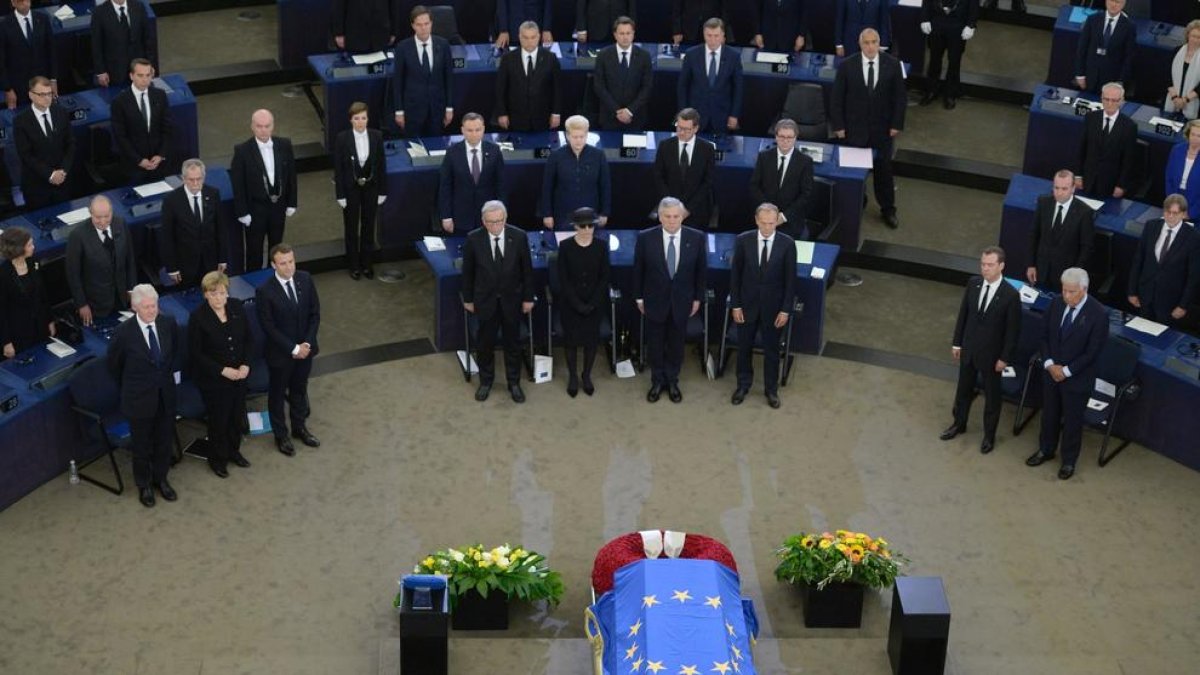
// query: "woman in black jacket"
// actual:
[[583, 270], [219, 345], [24, 312]]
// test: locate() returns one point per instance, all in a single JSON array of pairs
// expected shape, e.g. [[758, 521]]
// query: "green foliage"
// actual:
[[852, 557], [515, 572]]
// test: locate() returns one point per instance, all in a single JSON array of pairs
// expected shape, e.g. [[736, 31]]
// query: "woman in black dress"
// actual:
[[219, 344], [24, 312], [583, 269]]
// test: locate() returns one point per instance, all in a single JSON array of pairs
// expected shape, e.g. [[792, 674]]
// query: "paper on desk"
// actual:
[[65, 12], [178, 376], [613, 243], [417, 149], [770, 57], [259, 423], [1093, 204], [1146, 326], [77, 216], [855, 158], [151, 189], [124, 315], [633, 141], [368, 59], [625, 369], [1029, 294], [804, 252], [910, 3], [434, 244], [1097, 405], [815, 152], [559, 236], [553, 47], [1009, 371], [712, 243], [817, 273], [59, 348], [437, 153], [1105, 387]]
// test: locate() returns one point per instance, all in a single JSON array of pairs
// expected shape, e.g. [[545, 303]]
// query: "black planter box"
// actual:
[[838, 605], [474, 612]]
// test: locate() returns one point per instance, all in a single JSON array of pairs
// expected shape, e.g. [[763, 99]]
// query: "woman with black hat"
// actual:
[[583, 271]]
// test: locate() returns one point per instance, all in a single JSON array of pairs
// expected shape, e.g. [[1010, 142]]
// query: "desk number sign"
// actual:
[[780, 68], [629, 153], [78, 114], [718, 155], [541, 153], [459, 63]]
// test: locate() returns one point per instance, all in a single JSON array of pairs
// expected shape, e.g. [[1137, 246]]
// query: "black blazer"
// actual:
[[1173, 282], [285, 323], [759, 291], [1052, 251], [791, 194], [688, 17], [1106, 161], [129, 125], [24, 310], [653, 285], [597, 17], [42, 155], [484, 281], [249, 175], [422, 94], [346, 169], [213, 345], [1079, 347], [459, 197], [718, 102], [962, 13], [529, 101], [618, 89], [695, 188], [140, 380], [95, 279], [988, 336], [865, 115], [366, 25], [780, 22], [1116, 63], [113, 47], [188, 246], [21, 59], [510, 14]]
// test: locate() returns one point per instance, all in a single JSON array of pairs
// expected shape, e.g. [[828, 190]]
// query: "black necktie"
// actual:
[[871, 75], [28, 30], [1162, 253], [764, 255], [425, 58], [46, 120], [475, 168], [109, 245], [497, 255], [145, 111], [684, 159], [624, 59], [123, 19], [529, 65], [291, 293], [1107, 126], [1108, 30], [1058, 216], [983, 302], [782, 164], [155, 350], [1070, 319], [196, 207], [712, 69]]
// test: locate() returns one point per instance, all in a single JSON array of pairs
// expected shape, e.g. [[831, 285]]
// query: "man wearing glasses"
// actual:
[[684, 167], [783, 176], [1106, 153], [46, 146]]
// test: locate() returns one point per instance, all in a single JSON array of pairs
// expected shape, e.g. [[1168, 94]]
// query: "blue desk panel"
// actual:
[[1157, 43]]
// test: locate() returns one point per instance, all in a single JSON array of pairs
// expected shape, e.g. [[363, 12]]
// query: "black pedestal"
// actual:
[[424, 629], [920, 626], [475, 612], [838, 605]]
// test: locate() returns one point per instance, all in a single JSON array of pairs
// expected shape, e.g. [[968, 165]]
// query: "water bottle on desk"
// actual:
[[74, 474]]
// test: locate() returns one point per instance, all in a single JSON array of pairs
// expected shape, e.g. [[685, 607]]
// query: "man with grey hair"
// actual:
[[142, 357], [670, 265], [497, 287], [193, 238], [1074, 335], [100, 264], [1106, 151], [263, 174], [783, 176]]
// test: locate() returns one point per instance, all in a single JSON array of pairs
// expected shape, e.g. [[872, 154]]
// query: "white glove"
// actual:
[[380, 200], [968, 33], [245, 220], [341, 203], [926, 27], [291, 210]]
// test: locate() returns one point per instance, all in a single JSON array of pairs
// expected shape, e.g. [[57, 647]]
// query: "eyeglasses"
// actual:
[[585, 225]]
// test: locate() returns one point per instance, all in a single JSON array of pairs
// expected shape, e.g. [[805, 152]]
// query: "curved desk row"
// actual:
[[1157, 43]]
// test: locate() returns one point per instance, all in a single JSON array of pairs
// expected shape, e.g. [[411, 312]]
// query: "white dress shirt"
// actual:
[[146, 333], [21, 19], [192, 200], [686, 146], [666, 242], [768, 242], [866, 67], [362, 146], [496, 240], [1162, 237], [42, 121], [989, 289], [708, 59], [525, 56], [267, 150], [138, 94], [100, 233]]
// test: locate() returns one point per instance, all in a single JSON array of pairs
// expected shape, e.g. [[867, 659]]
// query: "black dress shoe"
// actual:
[[572, 387], [1037, 458], [368, 272], [518, 396], [654, 393], [285, 446], [1066, 471], [240, 460], [306, 437], [168, 492], [588, 387], [481, 394], [146, 496], [987, 445], [355, 274], [891, 220], [773, 400], [674, 394], [929, 97], [951, 431], [219, 469], [739, 395], [949, 103]]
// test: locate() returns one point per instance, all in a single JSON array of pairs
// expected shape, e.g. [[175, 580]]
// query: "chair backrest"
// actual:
[[1028, 342], [445, 23], [1118, 360], [805, 105], [93, 388], [1144, 176], [821, 217]]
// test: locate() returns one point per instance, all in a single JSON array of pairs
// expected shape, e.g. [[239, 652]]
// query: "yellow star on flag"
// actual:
[[681, 596], [654, 666], [649, 601], [629, 652], [737, 653], [636, 665], [721, 667], [633, 630], [736, 667], [714, 602], [729, 627], [688, 670]]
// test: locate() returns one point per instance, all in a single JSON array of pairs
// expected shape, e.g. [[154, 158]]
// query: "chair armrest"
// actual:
[[86, 413]]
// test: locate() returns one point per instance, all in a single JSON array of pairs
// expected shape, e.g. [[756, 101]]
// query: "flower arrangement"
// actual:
[[843, 556], [515, 572]]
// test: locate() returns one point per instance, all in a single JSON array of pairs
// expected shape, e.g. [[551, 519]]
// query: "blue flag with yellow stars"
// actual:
[[673, 617]]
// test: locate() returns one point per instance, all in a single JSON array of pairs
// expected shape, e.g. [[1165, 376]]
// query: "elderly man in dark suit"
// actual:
[[1106, 46], [670, 264], [422, 79], [688, 18], [622, 81], [263, 173], [26, 50], [1107, 149], [985, 342], [497, 287], [510, 14], [471, 176], [143, 356], [46, 146], [1062, 234], [1075, 333], [594, 19], [529, 85], [684, 168], [100, 265], [781, 25], [867, 111], [289, 312], [141, 125], [1165, 275], [783, 176], [362, 25], [194, 237], [711, 80], [762, 291], [120, 34], [360, 188]]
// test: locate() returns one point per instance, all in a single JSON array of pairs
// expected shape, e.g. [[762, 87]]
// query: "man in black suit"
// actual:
[[711, 80], [670, 264], [471, 176], [143, 357], [595, 18], [684, 168], [193, 238], [1075, 333], [422, 79], [949, 25], [781, 25], [119, 35], [263, 173], [783, 177], [622, 81], [985, 342], [1106, 152], [26, 50], [497, 287], [100, 265], [362, 25], [1106, 46], [1165, 275], [867, 111], [46, 147], [510, 14], [688, 17], [289, 312], [1062, 234], [762, 291], [360, 188], [141, 125], [529, 85]]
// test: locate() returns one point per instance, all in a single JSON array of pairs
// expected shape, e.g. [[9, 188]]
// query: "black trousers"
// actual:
[[510, 327], [946, 39], [965, 394], [358, 223], [151, 444], [884, 179], [266, 222], [1062, 412], [226, 406], [764, 323], [288, 383], [664, 348]]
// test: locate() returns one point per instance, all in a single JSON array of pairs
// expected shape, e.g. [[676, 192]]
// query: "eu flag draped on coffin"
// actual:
[[672, 616]]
